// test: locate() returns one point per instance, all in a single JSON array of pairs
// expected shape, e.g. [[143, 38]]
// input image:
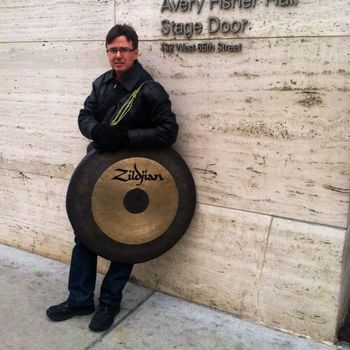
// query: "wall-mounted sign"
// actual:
[[214, 24]]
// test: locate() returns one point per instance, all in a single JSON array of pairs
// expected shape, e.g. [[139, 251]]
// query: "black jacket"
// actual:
[[150, 122]]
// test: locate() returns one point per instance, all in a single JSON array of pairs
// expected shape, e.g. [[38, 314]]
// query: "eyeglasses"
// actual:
[[122, 50]]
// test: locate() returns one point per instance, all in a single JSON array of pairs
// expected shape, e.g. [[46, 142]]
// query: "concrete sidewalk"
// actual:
[[149, 320]]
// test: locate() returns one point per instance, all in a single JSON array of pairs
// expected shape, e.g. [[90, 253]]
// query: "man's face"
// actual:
[[121, 62]]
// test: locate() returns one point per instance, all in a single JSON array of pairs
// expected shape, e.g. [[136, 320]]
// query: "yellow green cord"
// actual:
[[125, 108]]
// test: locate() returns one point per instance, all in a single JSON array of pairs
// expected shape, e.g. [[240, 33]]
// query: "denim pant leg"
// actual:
[[114, 282], [82, 275]]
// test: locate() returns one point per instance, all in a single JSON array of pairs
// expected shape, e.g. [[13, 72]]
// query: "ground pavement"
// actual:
[[149, 320]]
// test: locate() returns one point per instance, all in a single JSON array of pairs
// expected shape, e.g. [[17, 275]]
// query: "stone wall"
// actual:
[[265, 132]]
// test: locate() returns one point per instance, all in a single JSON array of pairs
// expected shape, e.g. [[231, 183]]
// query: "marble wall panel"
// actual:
[[283, 143], [39, 20], [301, 278], [33, 215]]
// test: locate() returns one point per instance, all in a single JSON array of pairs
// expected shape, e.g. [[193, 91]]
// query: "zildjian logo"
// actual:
[[136, 175]]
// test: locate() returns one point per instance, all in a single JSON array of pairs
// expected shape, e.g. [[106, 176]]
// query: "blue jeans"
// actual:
[[82, 278]]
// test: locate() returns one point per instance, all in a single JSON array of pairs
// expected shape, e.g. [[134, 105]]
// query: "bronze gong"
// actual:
[[131, 206]]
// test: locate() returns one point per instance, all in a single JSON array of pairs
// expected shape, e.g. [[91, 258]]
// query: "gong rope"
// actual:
[[125, 108]]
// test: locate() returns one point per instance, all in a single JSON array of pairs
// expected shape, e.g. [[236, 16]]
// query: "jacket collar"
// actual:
[[130, 79]]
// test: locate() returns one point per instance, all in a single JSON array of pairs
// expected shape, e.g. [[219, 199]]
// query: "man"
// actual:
[[126, 109]]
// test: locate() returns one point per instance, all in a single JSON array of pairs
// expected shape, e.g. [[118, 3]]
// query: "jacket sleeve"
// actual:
[[164, 128], [89, 116]]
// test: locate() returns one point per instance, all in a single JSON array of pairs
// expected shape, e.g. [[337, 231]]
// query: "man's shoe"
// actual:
[[104, 317], [65, 310]]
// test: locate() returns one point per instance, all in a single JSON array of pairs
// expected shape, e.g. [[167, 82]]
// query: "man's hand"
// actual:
[[110, 138]]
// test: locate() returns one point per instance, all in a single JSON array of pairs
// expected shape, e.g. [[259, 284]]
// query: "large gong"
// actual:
[[131, 206]]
